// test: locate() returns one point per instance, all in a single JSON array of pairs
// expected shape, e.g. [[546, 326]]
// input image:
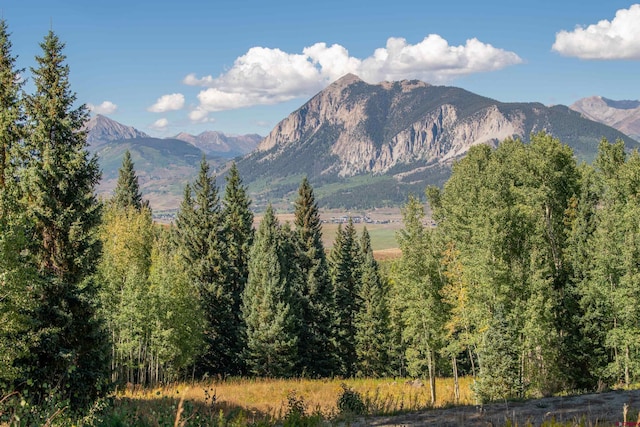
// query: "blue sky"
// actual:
[[242, 66]]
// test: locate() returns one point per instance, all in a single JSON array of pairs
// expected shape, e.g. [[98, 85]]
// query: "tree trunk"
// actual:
[[432, 376], [456, 384], [626, 365]]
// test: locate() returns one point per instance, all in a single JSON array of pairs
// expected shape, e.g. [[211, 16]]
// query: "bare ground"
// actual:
[[602, 409]]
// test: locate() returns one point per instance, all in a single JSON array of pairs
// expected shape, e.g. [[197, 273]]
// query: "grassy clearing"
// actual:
[[256, 400]]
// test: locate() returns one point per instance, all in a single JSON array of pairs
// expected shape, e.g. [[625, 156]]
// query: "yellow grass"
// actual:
[[268, 397]]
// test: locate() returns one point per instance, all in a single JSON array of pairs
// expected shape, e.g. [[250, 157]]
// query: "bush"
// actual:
[[350, 401]]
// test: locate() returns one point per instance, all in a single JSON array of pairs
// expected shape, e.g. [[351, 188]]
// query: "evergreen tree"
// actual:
[[372, 321], [499, 374], [200, 235], [57, 180], [344, 268], [11, 114], [15, 303], [272, 342], [237, 223], [315, 295], [127, 191]]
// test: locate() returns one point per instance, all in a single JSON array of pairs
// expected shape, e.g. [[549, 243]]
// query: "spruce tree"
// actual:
[[15, 303], [57, 179], [127, 191], [315, 297], [372, 321], [272, 342], [237, 230], [11, 114], [199, 228], [344, 267]]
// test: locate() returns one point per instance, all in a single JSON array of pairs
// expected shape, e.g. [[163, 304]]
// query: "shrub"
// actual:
[[350, 401]]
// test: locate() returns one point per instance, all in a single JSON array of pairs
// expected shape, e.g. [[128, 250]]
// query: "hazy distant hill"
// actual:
[[621, 115], [220, 144], [370, 145], [163, 166]]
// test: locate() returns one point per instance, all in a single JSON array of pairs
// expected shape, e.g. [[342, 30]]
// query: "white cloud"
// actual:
[[160, 124], [268, 76], [616, 39], [199, 115], [107, 107], [172, 102]]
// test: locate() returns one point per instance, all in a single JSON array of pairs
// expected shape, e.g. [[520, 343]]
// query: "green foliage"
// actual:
[[350, 402], [419, 283], [314, 293], [238, 232], [346, 276], [272, 340], [11, 110], [372, 321], [201, 241], [127, 192], [68, 348], [499, 376]]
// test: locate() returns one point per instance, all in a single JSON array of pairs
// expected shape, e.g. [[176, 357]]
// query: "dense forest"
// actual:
[[528, 283]]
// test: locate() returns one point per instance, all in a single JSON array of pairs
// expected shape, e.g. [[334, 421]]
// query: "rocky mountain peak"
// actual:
[[102, 129], [621, 115]]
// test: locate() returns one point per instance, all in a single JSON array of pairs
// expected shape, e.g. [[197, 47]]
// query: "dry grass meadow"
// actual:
[[269, 398]]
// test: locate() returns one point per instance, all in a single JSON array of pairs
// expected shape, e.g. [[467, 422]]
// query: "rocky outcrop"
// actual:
[[368, 133]]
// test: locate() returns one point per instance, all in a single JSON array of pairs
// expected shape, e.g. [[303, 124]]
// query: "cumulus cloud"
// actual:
[[107, 107], [172, 102], [160, 124], [199, 115], [265, 76], [616, 39]]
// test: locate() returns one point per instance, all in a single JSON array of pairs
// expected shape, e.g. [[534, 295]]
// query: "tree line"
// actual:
[[529, 281]]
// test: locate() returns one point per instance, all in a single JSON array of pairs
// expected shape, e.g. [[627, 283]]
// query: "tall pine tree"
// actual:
[[11, 114], [237, 231], [372, 321], [272, 341], [15, 303], [127, 191], [316, 354], [57, 180], [344, 268], [200, 236]]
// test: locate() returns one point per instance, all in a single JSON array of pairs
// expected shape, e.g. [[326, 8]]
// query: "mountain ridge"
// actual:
[[409, 131], [621, 115]]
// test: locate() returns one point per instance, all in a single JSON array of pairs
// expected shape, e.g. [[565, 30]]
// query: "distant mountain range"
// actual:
[[621, 115], [163, 165], [219, 144], [361, 145], [369, 145]]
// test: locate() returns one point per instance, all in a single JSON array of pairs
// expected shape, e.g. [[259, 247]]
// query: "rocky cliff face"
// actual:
[[621, 115], [374, 144], [370, 136]]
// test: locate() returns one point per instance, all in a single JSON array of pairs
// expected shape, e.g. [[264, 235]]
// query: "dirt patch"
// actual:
[[597, 409]]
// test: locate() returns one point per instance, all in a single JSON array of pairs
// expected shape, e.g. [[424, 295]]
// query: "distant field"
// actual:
[[383, 236]]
